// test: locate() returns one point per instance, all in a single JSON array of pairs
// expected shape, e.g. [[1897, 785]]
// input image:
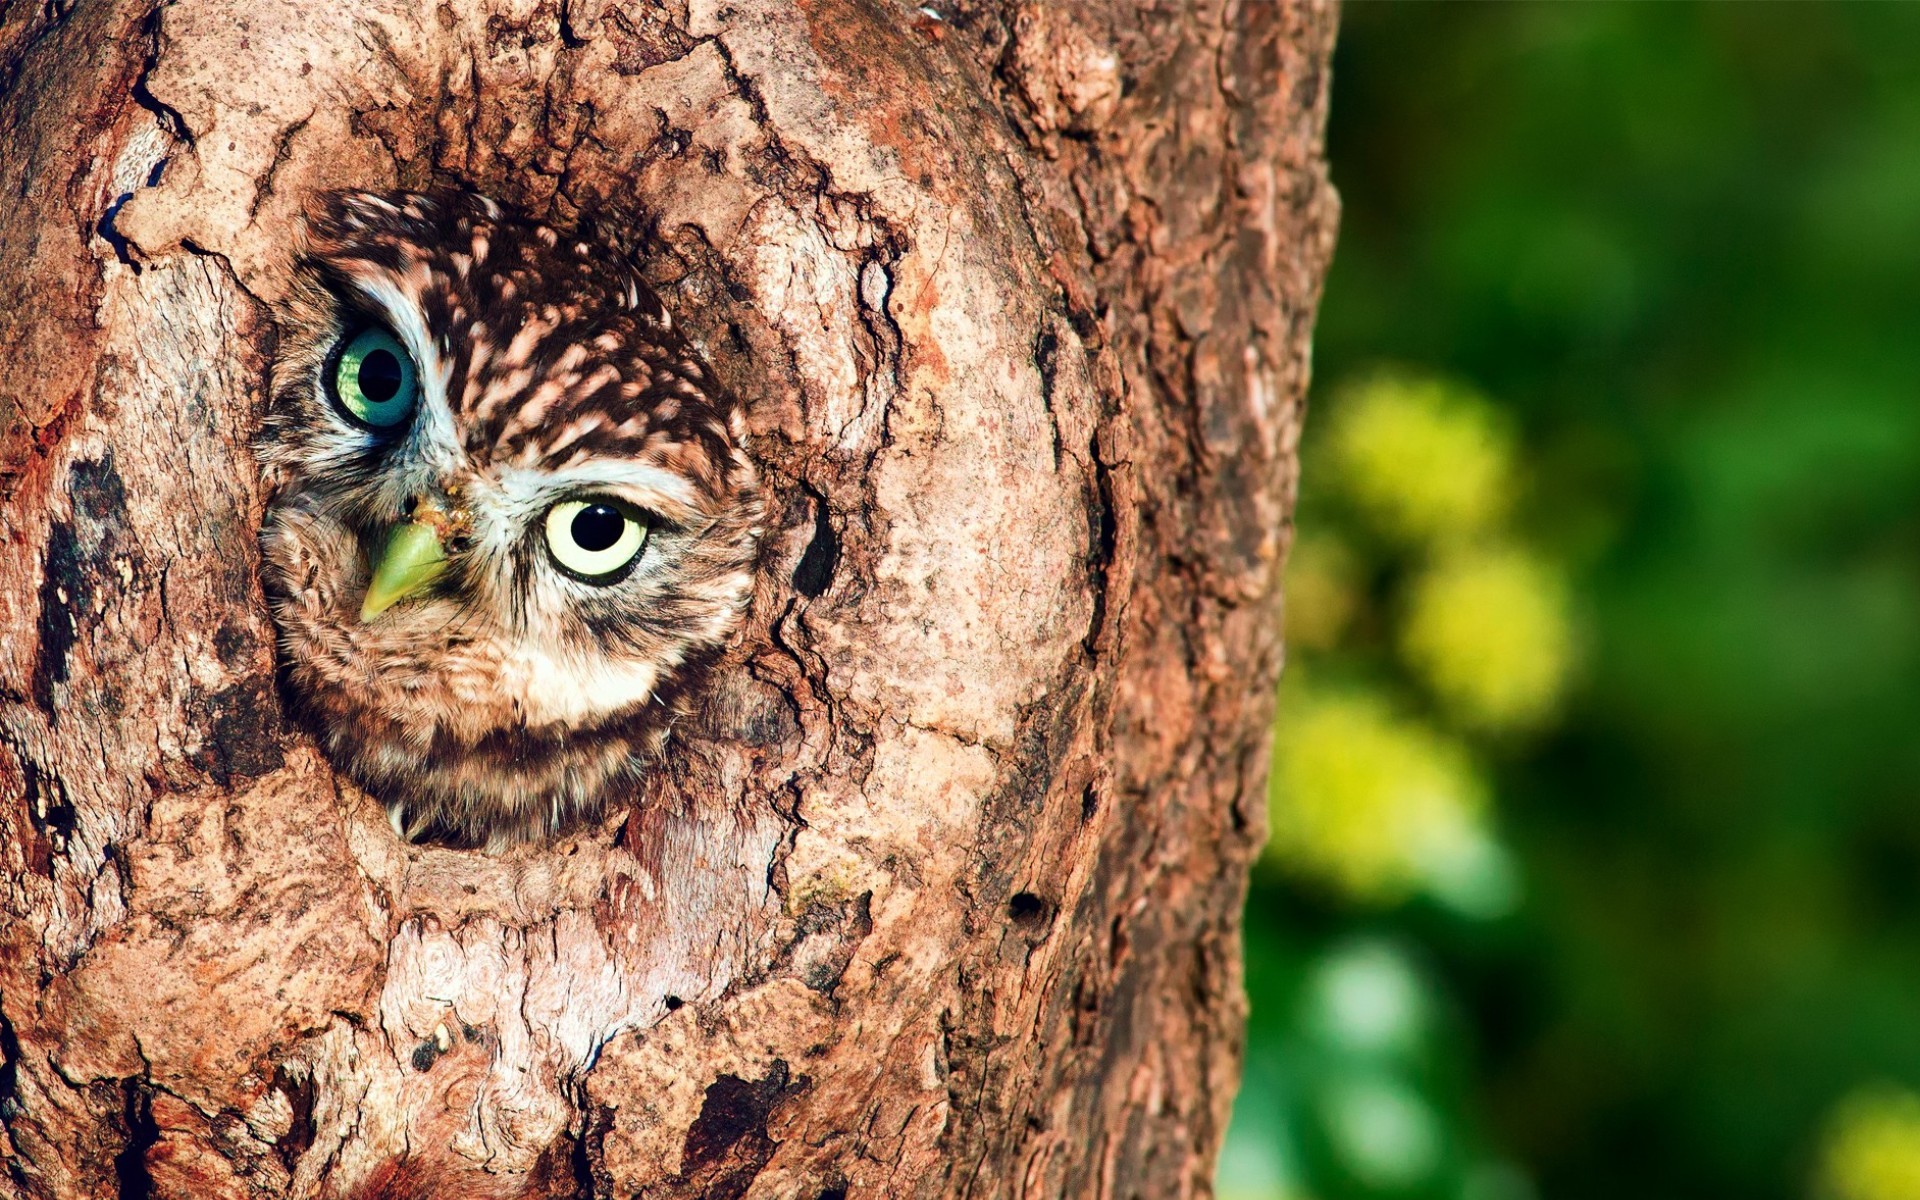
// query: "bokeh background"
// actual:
[[1595, 868]]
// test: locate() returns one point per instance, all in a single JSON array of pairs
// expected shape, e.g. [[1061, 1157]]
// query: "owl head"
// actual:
[[512, 517]]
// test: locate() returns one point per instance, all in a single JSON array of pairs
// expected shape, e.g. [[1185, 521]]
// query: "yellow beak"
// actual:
[[408, 564]]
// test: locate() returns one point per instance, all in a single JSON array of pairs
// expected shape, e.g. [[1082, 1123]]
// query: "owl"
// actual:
[[512, 516]]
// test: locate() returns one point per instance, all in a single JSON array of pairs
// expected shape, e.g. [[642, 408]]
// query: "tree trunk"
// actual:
[[946, 900]]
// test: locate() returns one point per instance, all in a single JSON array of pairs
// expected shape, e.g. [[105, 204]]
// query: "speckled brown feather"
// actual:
[[511, 700]]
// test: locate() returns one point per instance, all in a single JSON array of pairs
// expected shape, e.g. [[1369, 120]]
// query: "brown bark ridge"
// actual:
[[943, 900]]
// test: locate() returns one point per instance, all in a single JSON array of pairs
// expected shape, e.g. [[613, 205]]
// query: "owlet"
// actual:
[[512, 517]]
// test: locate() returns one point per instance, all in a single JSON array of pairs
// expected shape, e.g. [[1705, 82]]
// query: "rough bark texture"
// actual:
[[946, 903]]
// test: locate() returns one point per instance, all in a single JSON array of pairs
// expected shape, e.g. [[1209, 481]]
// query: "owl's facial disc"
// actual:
[[514, 520]]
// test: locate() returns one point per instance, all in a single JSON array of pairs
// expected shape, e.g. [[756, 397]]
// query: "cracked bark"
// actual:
[[943, 900]]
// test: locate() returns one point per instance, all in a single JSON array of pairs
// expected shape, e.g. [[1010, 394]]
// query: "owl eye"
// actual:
[[374, 379], [594, 540]]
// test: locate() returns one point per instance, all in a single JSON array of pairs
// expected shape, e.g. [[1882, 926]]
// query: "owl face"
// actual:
[[512, 517]]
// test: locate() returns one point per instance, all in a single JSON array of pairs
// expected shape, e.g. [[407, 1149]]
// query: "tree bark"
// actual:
[[945, 899]]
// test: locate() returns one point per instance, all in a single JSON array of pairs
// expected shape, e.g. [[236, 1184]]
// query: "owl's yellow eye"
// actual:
[[594, 540], [374, 379]]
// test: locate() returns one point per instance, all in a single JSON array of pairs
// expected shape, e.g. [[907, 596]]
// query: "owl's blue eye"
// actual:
[[594, 540], [374, 379]]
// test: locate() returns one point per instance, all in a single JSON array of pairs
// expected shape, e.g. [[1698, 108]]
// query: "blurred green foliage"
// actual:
[[1872, 1149], [1596, 859]]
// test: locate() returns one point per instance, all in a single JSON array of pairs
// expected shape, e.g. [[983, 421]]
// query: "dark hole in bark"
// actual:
[[1030, 912], [424, 1056], [568, 36], [48, 806], [1084, 322], [122, 248], [168, 119], [1101, 534], [10, 1104], [299, 1135], [78, 571], [1046, 357], [815, 573], [9, 1071], [837, 1191], [60, 584], [735, 1111], [673, 1003], [242, 726], [130, 1165], [1046, 350], [580, 1164]]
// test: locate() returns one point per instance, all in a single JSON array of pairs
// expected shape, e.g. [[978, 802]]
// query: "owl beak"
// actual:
[[408, 564]]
